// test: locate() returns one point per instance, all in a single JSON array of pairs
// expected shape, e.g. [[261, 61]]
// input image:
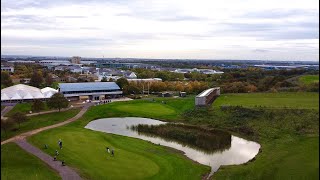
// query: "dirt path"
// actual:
[[65, 172]]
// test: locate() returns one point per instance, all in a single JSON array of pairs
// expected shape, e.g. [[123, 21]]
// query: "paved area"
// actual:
[[6, 110], [65, 172]]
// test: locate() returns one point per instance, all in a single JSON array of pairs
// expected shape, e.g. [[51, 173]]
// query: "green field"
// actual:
[[24, 108], [309, 79], [37, 121], [289, 138], [134, 159], [299, 100], [296, 158], [18, 164]]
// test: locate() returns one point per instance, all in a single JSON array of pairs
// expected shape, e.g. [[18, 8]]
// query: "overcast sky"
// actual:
[[213, 29]]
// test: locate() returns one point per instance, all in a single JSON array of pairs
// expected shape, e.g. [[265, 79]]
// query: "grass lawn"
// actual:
[[284, 159], [308, 79], [18, 164], [85, 150], [289, 139], [24, 107], [2, 107], [300, 100], [38, 121]]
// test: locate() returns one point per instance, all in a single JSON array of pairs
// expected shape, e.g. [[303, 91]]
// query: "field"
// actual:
[[18, 164], [38, 121], [288, 136], [2, 107], [299, 100], [308, 79]]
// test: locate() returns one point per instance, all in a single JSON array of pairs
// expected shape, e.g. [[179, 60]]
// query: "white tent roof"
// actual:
[[48, 89], [16, 96], [21, 92], [28, 96], [4, 97]]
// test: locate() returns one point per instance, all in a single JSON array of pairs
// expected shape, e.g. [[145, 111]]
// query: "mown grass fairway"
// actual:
[[38, 121], [308, 79], [299, 100], [18, 164], [134, 159], [288, 137]]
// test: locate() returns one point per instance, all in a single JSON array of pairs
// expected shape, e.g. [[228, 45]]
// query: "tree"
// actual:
[[36, 79], [5, 79], [18, 117], [58, 101], [104, 79], [6, 124], [37, 105], [122, 82], [49, 80]]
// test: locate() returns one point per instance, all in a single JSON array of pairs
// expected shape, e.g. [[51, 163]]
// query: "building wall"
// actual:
[[75, 60]]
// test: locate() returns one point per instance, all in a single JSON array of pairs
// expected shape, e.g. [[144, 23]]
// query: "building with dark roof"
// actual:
[[90, 90]]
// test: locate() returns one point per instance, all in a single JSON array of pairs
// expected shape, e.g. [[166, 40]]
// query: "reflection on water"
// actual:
[[240, 151], [206, 140]]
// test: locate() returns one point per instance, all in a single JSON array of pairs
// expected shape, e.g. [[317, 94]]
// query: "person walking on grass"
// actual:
[[112, 152], [108, 150], [54, 158], [60, 144], [63, 163], [57, 153]]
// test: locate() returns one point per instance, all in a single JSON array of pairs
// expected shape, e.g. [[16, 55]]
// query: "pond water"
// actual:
[[239, 152]]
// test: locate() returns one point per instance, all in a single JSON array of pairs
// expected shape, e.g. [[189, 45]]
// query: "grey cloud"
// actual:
[[269, 31], [280, 13], [261, 50]]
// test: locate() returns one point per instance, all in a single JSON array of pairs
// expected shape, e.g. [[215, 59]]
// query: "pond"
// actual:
[[238, 152]]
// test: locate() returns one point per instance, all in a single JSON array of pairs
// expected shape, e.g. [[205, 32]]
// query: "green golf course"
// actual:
[[287, 133]]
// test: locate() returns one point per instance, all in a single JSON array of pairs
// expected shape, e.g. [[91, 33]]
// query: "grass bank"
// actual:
[[309, 79], [24, 108], [38, 121], [18, 164]]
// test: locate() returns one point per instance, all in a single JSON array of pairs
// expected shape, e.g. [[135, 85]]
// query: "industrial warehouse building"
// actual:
[[207, 97], [90, 90], [22, 92]]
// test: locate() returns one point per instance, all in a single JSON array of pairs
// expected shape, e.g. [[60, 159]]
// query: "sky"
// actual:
[[180, 29]]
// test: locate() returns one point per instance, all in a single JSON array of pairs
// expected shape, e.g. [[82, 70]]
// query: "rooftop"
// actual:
[[88, 86], [206, 92]]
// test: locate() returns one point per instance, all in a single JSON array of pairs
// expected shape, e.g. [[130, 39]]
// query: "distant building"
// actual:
[[207, 97], [182, 94], [130, 75], [90, 90], [75, 60], [145, 80], [7, 69]]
